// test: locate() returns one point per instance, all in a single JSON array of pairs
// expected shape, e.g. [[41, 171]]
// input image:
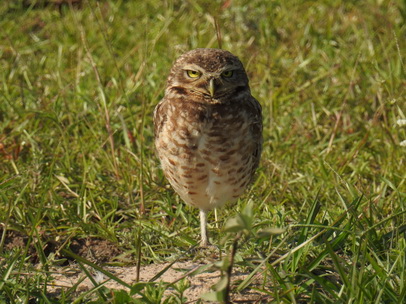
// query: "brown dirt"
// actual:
[[100, 251], [199, 284], [96, 250], [14, 240]]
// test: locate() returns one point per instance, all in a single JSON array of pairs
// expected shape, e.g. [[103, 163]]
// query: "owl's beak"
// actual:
[[211, 87]]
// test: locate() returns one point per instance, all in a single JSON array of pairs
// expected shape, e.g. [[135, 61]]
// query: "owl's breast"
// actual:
[[207, 155]]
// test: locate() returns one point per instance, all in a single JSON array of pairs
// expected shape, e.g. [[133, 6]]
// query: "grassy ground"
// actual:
[[77, 89]]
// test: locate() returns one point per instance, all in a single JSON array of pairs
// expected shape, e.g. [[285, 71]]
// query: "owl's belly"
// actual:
[[210, 167]]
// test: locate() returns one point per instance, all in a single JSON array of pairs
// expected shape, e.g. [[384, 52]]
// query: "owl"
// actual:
[[208, 130]]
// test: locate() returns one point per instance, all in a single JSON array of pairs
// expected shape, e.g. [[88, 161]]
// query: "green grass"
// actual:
[[77, 89]]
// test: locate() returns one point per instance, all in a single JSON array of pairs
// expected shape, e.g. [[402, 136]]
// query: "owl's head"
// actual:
[[210, 73]]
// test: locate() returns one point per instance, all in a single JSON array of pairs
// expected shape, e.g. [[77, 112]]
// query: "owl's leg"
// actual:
[[203, 229]]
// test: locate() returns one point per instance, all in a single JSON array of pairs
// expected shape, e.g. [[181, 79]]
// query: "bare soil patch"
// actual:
[[199, 284], [96, 250], [100, 251]]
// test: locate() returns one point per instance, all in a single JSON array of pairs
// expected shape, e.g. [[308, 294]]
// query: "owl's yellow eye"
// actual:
[[227, 74], [193, 74]]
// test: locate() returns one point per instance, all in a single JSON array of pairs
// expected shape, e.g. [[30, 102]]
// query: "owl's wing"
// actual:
[[159, 117], [256, 129]]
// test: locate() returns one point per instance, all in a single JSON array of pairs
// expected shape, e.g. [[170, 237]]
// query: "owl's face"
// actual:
[[209, 73]]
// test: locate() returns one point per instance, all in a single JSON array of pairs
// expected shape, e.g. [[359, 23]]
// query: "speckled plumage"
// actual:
[[208, 130]]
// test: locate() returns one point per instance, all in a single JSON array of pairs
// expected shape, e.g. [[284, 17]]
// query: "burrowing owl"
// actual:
[[208, 130]]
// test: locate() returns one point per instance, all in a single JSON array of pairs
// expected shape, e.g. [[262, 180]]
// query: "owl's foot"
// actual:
[[204, 244], [206, 251]]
